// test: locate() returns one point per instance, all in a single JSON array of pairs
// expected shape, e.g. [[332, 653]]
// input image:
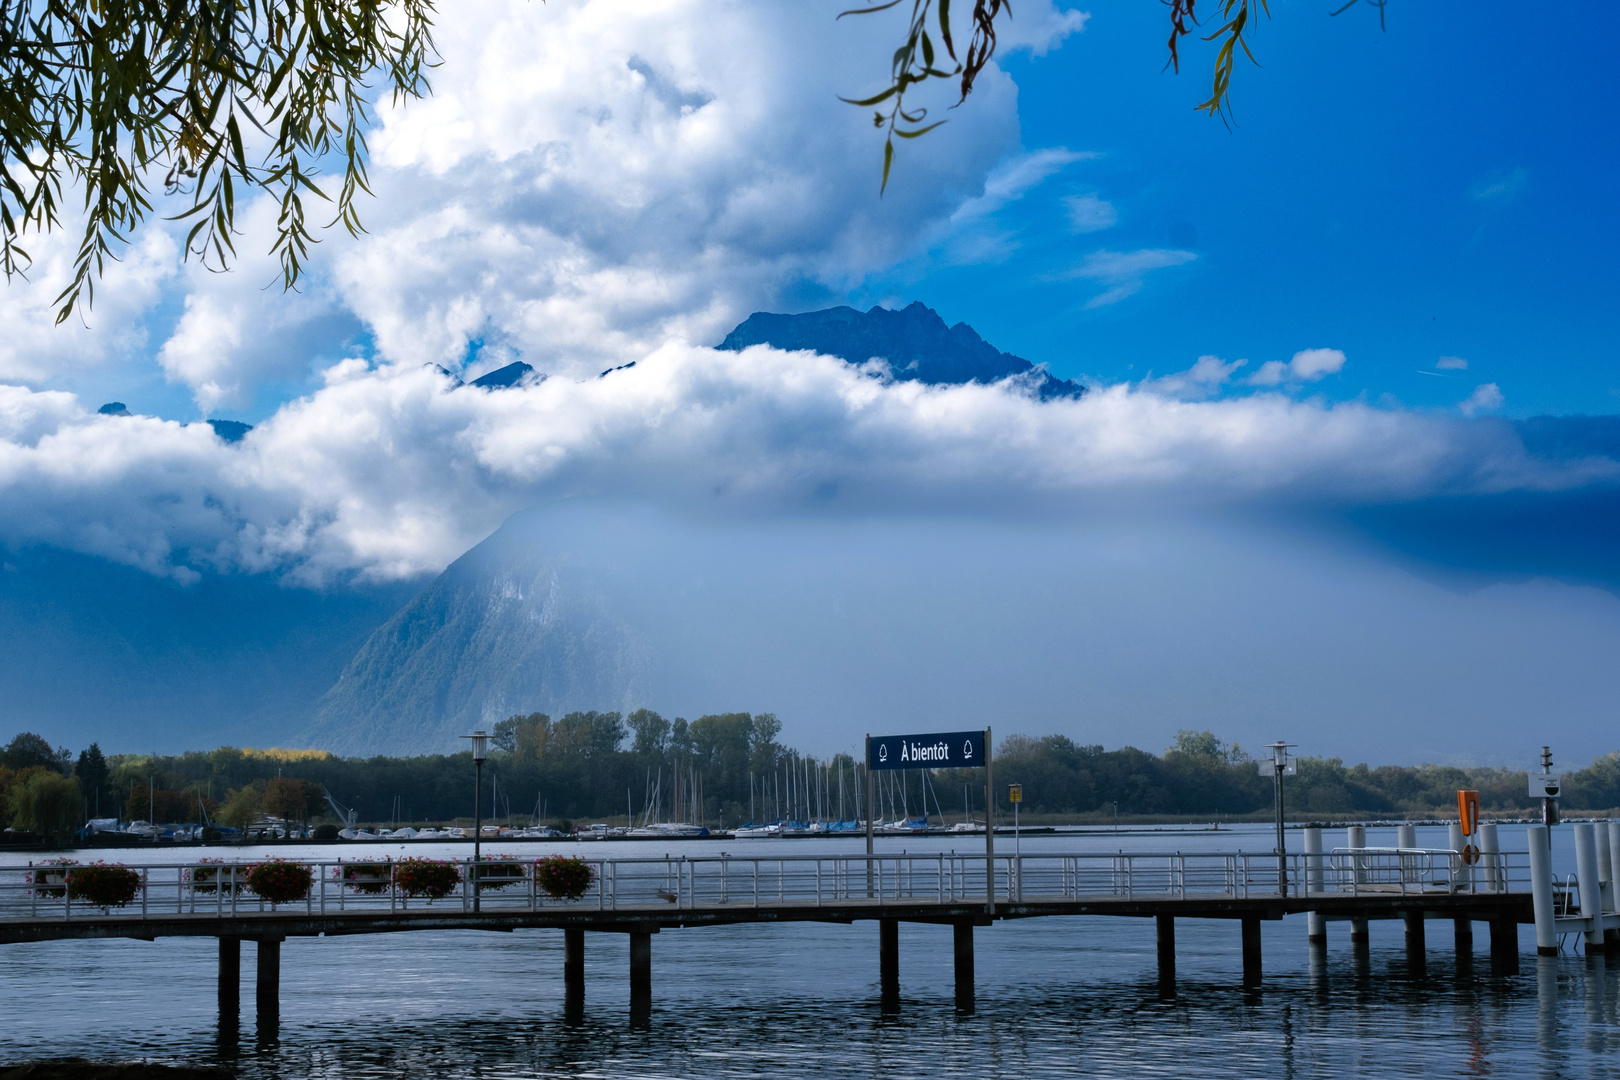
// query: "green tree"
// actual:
[[106, 99], [42, 800], [285, 798], [242, 807], [93, 774], [649, 732], [27, 750]]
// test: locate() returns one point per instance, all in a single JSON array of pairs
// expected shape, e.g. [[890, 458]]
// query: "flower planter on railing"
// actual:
[[48, 879], [104, 885], [212, 876], [367, 878], [563, 877], [499, 872], [431, 878], [280, 881]]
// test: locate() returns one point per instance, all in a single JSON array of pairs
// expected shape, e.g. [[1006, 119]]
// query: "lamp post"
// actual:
[[1280, 765], [480, 750]]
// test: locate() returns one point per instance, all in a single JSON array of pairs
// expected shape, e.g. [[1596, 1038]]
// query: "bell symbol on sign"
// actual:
[[883, 752]]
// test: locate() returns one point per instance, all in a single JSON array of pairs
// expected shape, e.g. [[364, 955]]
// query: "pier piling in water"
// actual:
[[640, 966], [1167, 951], [230, 981], [1505, 945], [889, 961], [267, 988], [1541, 891], [1251, 948], [574, 963], [1416, 948], [962, 935]]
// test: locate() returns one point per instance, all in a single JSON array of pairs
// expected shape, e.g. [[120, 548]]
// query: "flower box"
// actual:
[[104, 885], [564, 877], [432, 878], [367, 878], [210, 876], [280, 881], [49, 878], [499, 872]]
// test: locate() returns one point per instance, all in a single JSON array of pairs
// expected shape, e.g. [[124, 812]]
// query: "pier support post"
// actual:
[[640, 966], [889, 961], [573, 963], [267, 989], [1415, 945], [1505, 945], [1359, 934], [1315, 882], [962, 933], [1463, 936], [1251, 948], [1167, 952], [230, 980], [1541, 891]]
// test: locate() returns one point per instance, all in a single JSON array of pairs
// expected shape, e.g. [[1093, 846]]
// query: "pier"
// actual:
[[643, 897]]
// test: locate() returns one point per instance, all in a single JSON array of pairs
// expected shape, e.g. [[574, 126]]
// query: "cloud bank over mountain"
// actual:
[[394, 471]]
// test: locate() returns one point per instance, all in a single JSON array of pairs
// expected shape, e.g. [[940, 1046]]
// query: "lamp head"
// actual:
[[480, 745]]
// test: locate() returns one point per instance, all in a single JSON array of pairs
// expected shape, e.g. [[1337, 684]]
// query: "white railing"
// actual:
[[721, 882]]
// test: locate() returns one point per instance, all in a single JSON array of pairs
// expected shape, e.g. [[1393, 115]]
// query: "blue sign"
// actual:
[[956, 750]]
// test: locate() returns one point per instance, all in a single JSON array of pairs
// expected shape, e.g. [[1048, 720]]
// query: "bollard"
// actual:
[[1315, 882], [1411, 865], [1490, 858], [1591, 891], [1611, 938], [1541, 891], [1356, 838]]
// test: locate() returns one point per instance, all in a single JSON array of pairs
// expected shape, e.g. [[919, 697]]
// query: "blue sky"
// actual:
[[1307, 337], [1444, 188]]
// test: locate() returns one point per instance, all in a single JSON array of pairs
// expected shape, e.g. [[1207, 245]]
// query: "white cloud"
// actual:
[[1501, 187], [1484, 398], [1451, 363], [1125, 272], [1088, 213], [590, 179], [389, 472], [1204, 379], [1307, 365], [1039, 28], [34, 347]]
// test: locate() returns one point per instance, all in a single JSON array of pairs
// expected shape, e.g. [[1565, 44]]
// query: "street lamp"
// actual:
[[480, 750], [1280, 765]]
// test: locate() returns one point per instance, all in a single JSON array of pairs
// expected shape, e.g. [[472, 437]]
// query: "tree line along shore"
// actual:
[[726, 769]]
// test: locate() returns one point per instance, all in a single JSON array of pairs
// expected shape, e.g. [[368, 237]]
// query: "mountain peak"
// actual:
[[915, 341]]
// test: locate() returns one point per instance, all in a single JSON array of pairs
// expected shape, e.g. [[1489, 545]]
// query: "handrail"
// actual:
[[696, 882]]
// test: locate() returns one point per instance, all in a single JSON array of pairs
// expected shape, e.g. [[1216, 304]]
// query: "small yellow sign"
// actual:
[[1015, 792]]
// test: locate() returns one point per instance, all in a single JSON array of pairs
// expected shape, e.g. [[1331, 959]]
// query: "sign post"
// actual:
[[1015, 795], [1547, 786], [951, 750]]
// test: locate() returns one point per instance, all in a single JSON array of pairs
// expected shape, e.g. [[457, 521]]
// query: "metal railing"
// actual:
[[723, 882]]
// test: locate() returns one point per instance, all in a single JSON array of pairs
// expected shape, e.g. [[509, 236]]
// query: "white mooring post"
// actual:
[[1315, 882], [1586, 873], [1411, 870], [1490, 857], [1541, 891]]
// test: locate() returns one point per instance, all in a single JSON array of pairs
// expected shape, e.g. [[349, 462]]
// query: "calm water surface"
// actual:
[[1056, 997]]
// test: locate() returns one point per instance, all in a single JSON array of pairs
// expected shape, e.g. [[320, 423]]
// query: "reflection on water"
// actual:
[[1055, 996]]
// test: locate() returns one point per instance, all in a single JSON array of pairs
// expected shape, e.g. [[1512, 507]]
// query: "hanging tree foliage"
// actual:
[[207, 99]]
